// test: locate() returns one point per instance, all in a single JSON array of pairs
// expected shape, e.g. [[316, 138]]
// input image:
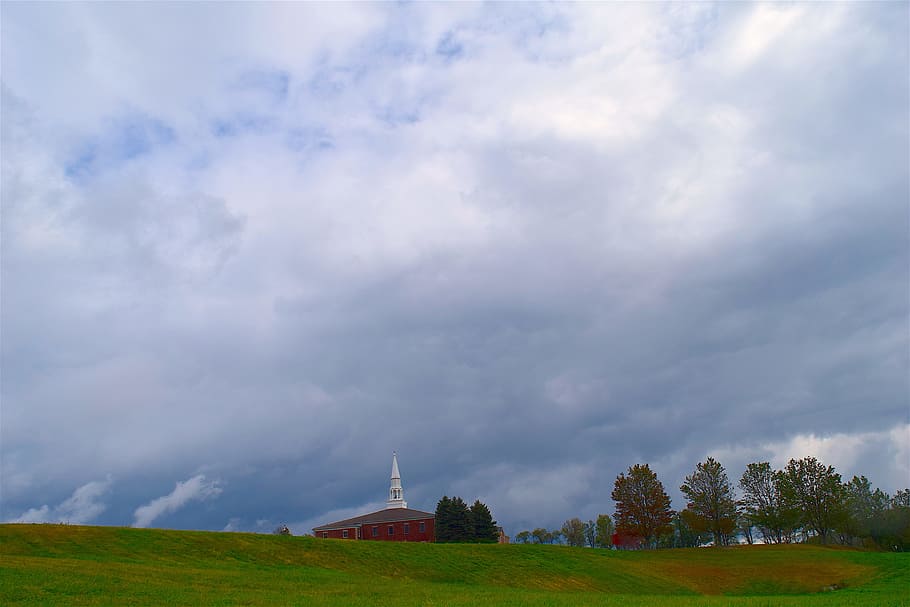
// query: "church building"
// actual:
[[395, 523]]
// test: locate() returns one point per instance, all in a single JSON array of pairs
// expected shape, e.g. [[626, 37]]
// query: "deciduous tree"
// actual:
[[712, 504], [684, 535], [816, 490], [574, 532], [764, 506], [541, 536], [604, 534], [894, 529], [901, 499], [642, 505], [591, 534], [864, 508], [745, 527]]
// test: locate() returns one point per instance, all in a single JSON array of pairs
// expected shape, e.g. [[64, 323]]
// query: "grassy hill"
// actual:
[[69, 565]]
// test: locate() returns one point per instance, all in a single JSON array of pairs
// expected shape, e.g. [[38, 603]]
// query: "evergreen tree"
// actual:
[[443, 522], [460, 520], [455, 522], [483, 526]]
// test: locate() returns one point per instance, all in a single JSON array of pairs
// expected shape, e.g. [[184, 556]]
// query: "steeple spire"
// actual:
[[396, 493]]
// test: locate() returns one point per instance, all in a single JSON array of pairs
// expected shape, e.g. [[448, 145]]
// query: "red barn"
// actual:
[[395, 523]]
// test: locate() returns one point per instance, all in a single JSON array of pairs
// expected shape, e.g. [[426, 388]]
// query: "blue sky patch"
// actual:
[[449, 47], [301, 140], [275, 84], [242, 124], [83, 162], [137, 136], [122, 140]]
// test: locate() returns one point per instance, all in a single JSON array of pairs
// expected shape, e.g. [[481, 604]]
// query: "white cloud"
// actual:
[[851, 453], [763, 26], [36, 515], [233, 524], [883, 456], [192, 489], [83, 506]]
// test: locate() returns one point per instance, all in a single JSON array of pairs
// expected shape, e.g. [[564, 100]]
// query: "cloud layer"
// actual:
[[525, 245], [192, 489], [83, 506]]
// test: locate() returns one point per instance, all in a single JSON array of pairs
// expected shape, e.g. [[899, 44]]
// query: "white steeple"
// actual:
[[396, 493]]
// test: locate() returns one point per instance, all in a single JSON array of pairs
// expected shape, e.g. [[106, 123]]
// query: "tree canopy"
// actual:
[[642, 505], [603, 537], [712, 503], [574, 532], [817, 493], [806, 501], [483, 527], [456, 522], [764, 506]]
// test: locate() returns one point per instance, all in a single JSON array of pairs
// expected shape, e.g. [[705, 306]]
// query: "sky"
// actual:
[[251, 249]]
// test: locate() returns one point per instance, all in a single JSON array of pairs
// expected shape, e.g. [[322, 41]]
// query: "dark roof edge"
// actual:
[[364, 519], [350, 524]]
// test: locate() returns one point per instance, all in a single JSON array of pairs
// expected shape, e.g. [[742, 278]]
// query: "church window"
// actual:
[[391, 530], [325, 534], [407, 528], [344, 534], [423, 527], [376, 531]]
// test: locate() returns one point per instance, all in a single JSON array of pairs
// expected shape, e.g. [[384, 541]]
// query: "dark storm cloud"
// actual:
[[591, 243]]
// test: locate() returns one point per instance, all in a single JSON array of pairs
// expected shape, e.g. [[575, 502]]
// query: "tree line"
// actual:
[[574, 532], [804, 501], [456, 522]]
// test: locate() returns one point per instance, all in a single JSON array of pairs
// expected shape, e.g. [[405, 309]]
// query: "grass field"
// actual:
[[69, 565]]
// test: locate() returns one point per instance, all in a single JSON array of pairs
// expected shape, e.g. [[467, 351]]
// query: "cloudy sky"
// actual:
[[248, 250]]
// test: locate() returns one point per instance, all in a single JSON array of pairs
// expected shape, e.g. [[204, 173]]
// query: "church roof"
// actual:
[[388, 515]]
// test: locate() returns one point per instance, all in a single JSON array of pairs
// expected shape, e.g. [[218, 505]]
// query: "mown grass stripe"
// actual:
[[69, 565]]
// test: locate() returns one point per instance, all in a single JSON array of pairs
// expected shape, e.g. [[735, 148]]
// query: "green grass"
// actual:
[[68, 565]]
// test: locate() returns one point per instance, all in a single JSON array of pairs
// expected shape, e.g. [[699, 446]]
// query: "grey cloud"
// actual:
[[595, 247]]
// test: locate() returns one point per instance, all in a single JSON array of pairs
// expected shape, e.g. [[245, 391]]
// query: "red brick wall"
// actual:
[[338, 534], [398, 534]]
